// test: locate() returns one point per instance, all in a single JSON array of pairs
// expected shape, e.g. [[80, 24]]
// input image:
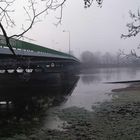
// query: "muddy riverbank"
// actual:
[[117, 119]]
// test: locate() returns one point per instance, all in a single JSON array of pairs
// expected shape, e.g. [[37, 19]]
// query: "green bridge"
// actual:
[[33, 58]]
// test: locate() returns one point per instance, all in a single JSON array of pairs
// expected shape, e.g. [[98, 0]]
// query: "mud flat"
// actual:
[[117, 119]]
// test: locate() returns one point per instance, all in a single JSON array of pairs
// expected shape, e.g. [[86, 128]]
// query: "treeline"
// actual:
[[98, 59]]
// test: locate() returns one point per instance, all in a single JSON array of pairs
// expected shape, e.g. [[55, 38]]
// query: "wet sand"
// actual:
[[117, 119]]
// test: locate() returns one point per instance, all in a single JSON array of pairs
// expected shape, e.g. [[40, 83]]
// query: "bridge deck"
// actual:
[[33, 58], [28, 49]]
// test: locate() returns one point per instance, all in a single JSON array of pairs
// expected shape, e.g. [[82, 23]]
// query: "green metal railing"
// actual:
[[18, 44], [36, 48]]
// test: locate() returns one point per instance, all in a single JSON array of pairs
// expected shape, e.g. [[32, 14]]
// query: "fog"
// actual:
[[92, 29]]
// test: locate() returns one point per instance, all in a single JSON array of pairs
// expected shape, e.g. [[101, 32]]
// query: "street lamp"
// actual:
[[69, 38], [54, 43]]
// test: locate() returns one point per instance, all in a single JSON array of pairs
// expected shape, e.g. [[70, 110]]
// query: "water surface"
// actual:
[[92, 87], [28, 106]]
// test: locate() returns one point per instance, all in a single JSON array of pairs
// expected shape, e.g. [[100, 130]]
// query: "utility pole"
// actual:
[[67, 31]]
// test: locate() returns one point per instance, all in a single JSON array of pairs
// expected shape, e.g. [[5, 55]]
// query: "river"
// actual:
[[92, 85], [27, 107]]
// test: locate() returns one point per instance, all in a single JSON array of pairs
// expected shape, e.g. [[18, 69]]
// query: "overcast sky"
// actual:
[[93, 29]]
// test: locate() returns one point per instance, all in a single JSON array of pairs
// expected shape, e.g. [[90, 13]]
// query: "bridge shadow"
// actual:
[[23, 106]]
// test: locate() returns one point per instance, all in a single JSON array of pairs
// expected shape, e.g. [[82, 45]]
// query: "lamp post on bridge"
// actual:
[[67, 31], [54, 43]]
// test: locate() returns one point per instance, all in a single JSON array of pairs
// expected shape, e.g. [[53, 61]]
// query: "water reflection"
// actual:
[[110, 74], [88, 79], [23, 106]]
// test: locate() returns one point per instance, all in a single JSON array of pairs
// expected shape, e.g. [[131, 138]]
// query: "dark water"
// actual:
[[24, 105], [27, 106]]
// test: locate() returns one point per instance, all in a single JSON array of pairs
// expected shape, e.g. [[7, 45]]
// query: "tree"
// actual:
[[134, 26], [33, 14], [88, 3], [90, 59], [133, 29], [87, 57]]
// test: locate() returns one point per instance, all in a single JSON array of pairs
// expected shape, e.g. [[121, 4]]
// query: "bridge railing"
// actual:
[[25, 48]]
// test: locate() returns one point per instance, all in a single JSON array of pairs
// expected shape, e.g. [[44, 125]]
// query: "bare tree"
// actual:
[[88, 3], [134, 26], [33, 14], [133, 30]]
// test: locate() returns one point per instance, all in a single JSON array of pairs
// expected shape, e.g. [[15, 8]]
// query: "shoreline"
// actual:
[[117, 119]]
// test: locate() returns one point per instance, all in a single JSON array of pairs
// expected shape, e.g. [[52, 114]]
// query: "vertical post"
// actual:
[[69, 39]]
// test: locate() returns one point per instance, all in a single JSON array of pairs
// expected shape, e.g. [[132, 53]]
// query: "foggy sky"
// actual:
[[94, 29]]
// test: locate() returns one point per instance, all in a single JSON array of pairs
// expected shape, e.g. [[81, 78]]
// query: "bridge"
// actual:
[[32, 58]]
